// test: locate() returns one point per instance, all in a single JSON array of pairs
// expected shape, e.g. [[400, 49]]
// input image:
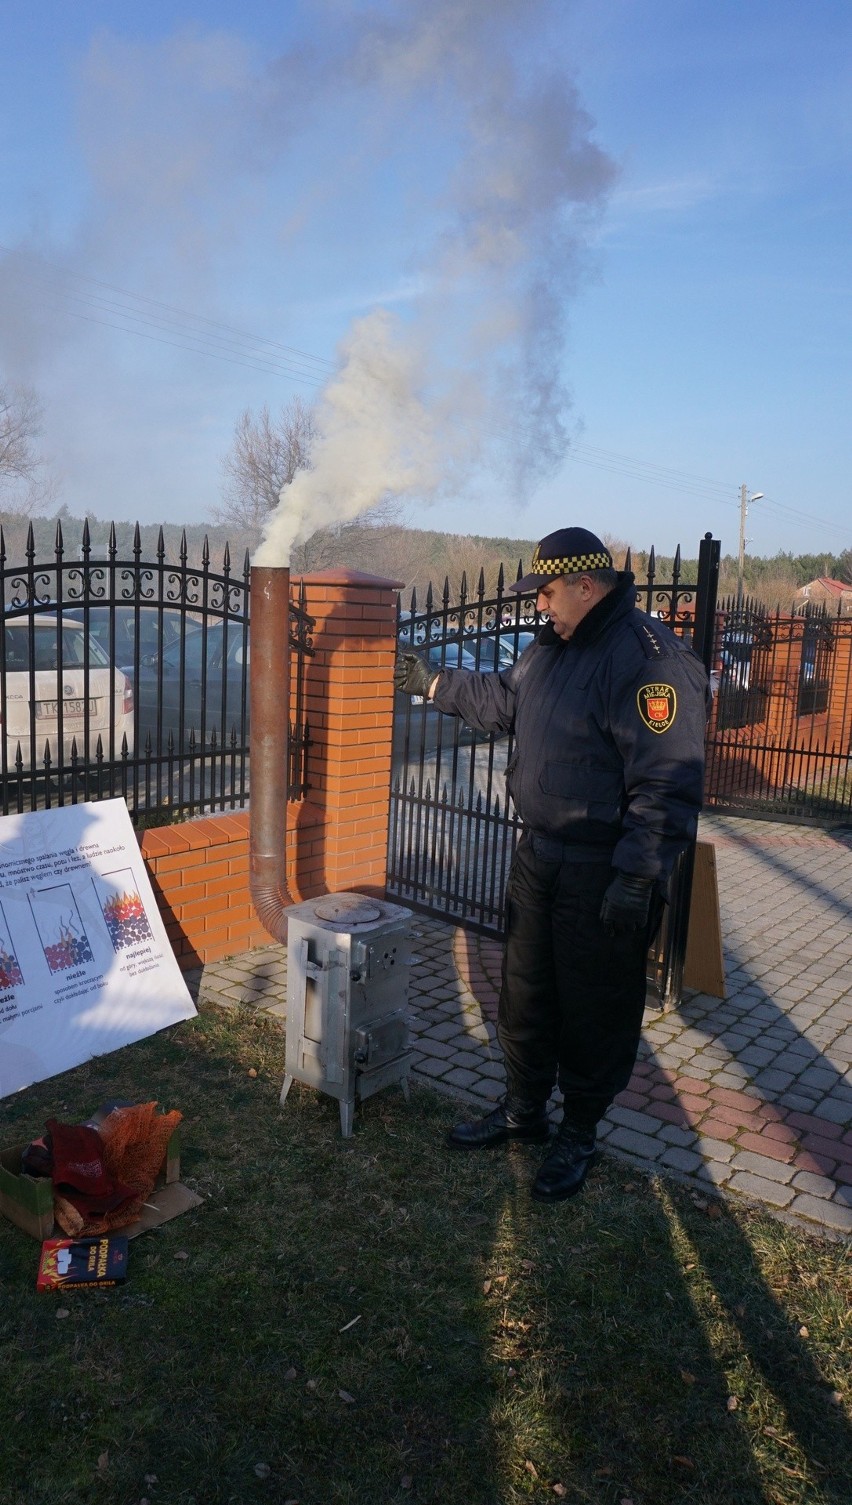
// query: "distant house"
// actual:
[[835, 595]]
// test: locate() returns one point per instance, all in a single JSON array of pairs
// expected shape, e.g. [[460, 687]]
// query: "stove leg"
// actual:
[[288, 1082], [347, 1113]]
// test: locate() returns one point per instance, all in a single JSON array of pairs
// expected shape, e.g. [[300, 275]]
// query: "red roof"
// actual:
[[831, 587]]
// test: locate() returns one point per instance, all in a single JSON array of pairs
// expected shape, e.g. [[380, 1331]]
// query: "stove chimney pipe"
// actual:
[[269, 701]]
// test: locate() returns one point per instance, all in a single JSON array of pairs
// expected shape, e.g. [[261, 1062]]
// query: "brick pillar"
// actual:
[[342, 842]]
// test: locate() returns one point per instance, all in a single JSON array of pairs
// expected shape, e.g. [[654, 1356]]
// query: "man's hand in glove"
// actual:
[[626, 904], [413, 674]]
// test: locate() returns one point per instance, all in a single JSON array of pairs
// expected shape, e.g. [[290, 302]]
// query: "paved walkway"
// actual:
[[751, 1095]]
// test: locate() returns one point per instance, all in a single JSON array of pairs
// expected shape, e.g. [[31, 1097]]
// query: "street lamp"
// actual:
[[745, 498]]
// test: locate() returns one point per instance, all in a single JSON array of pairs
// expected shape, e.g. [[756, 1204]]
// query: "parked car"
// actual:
[[46, 669], [496, 654], [115, 629], [197, 684]]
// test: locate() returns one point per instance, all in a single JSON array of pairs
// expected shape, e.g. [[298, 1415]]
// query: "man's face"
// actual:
[[566, 600]]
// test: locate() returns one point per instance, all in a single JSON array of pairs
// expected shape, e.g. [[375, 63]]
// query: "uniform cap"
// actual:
[[568, 551]]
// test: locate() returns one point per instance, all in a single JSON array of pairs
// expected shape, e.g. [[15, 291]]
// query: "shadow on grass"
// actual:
[[380, 1320]]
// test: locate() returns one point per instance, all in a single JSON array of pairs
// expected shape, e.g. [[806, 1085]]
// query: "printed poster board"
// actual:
[[85, 962]]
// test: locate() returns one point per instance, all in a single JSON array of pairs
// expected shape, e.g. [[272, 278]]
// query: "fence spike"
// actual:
[[112, 545], [161, 545], [205, 554], [58, 537], [676, 566], [137, 543], [628, 559]]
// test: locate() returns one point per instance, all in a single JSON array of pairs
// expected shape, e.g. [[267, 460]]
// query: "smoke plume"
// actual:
[[451, 127], [473, 374]]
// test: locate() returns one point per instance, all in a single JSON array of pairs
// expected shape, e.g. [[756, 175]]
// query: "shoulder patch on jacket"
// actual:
[[655, 644]]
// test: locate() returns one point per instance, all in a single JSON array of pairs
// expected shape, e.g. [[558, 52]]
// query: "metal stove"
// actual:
[[348, 967]]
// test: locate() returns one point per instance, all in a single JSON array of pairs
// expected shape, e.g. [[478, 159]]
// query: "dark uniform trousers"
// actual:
[[573, 996]]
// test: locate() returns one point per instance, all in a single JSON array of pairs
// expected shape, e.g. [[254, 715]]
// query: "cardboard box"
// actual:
[[28, 1200]]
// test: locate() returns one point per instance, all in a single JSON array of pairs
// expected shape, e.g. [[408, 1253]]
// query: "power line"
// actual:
[[179, 329]]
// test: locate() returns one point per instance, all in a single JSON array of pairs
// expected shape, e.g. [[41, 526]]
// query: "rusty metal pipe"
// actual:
[[269, 701]]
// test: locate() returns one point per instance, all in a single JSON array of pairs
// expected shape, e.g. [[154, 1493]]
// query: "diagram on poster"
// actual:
[[61, 931], [123, 909], [11, 975], [85, 962]]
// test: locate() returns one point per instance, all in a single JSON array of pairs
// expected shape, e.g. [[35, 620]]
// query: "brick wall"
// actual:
[[336, 839]]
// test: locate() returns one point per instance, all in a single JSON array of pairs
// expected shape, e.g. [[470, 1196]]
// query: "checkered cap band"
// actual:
[[574, 564]]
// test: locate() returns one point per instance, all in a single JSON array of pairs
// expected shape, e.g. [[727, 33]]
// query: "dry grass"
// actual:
[[379, 1320]]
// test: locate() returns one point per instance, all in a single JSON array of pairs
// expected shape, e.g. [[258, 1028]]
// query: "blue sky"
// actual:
[[665, 319]]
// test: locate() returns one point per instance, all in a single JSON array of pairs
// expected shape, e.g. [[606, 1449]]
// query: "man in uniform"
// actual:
[[608, 709]]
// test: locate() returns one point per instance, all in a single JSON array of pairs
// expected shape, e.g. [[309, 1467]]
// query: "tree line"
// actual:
[[266, 454]]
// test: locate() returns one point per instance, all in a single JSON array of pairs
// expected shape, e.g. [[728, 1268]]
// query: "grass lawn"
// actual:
[[380, 1320]]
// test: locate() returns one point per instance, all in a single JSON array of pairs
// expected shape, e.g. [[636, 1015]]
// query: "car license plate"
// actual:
[[45, 708]]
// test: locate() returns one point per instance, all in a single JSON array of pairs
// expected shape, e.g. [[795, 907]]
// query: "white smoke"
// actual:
[[456, 120], [475, 372], [377, 435]]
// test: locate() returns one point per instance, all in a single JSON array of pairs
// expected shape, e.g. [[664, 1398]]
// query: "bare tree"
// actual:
[[265, 455], [25, 486]]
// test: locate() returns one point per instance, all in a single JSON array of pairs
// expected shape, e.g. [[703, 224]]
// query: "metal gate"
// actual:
[[453, 830], [780, 737]]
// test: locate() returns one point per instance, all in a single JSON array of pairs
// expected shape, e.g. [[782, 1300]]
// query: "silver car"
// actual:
[[52, 691]]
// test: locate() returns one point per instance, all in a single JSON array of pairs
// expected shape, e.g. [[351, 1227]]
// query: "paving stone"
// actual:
[[681, 1160], [762, 1190], [428, 1066], [459, 1077], [762, 1165], [832, 1214], [645, 1123], [635, 1143], [673, 1134], [440, 1050], [836, 1112], [487, 1088], [815, 1186]]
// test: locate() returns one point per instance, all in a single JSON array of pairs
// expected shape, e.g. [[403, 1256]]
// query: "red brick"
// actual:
[[735, 1099], [675, 1113], [781, 1131], [733, 1115], [664, 1091], [834, 1148], [761, 1145], [716, 1128], [693, 1106], [693, 1085], [818, 1165], [645, 1068], [628, 1099]]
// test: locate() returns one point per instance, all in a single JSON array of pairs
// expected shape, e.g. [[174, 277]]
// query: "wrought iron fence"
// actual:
[[129, 677], [780, 738]]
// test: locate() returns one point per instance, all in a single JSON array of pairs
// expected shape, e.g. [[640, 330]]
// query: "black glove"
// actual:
[[626, 904], [413, 674]]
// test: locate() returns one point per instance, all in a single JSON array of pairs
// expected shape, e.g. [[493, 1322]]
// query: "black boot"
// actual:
[[563, 1171], [514, 1118]]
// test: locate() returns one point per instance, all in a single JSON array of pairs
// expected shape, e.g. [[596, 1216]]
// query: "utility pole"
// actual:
[[744, 501]]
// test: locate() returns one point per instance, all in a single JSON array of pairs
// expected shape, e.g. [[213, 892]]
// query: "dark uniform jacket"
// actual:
[[609, 734]]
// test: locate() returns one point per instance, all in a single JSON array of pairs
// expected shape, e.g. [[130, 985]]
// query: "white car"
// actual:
[[37, 677]]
